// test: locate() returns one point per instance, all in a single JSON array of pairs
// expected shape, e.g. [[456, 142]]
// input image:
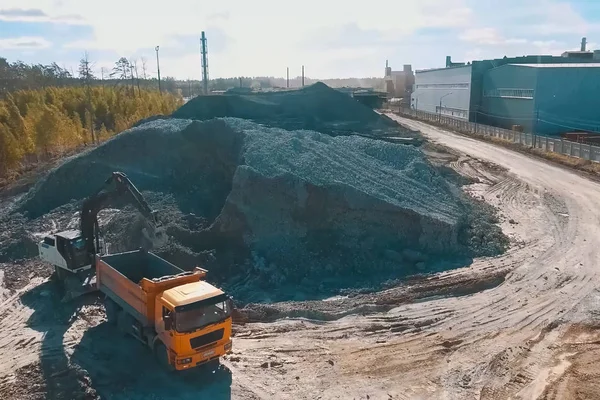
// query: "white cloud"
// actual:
[[264, 36], [488, 36], [24, 43], [38, 15]]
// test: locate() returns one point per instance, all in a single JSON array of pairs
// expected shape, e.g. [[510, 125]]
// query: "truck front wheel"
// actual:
[[112, 311], [162, 356]]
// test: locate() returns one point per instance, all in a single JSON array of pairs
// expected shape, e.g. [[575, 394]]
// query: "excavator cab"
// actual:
[[66, 250]]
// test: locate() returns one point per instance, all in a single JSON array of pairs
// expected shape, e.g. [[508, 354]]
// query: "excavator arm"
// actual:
[[117, 186]]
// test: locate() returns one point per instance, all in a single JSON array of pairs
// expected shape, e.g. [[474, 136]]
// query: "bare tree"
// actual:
[[86, 74], [132, 77], [144, 69], [137, 77]]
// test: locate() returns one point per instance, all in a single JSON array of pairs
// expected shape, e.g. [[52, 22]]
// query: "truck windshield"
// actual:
[[200, 314]]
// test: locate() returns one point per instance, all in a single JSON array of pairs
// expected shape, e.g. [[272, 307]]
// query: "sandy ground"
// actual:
[[518, 326]]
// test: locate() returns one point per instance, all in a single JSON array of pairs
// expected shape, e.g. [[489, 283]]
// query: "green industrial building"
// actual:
[[548, 99], [548, 95]]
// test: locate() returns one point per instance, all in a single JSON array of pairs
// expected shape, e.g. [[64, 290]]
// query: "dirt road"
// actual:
[[504, 342], [520, 335]]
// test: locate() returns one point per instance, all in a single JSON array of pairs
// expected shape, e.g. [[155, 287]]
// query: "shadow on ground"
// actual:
[[105, 363], [122, 368]]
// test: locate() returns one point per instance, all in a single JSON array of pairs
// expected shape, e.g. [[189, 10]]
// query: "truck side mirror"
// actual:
[[168, 322]]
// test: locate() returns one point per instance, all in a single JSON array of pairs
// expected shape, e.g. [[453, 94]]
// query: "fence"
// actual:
[[554, 145]]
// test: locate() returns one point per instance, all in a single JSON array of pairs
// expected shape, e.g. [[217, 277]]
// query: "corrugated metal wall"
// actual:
[[567, 100], [453, 84], [508, 97]]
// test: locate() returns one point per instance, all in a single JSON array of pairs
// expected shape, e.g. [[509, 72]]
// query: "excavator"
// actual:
[[73, 252]]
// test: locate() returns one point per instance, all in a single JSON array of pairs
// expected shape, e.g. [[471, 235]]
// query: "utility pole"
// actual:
[[137, 79], [535, 127], [288, 78], [158, 68], [440, 114], [132, 78], [303, 76]]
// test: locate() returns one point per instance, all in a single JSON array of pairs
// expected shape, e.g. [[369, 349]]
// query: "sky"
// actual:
[[332, 38]]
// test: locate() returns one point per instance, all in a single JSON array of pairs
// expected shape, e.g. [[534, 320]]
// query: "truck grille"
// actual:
[[209, 338]]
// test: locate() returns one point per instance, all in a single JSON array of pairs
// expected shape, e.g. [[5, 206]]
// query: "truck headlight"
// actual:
[[184, 361]]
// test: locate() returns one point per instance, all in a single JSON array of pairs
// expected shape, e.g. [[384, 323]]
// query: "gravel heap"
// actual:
[[316, 107], [282, 214]]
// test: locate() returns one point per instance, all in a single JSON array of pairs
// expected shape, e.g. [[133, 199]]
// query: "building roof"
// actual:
[[443, 68], [561, 65], [190, 293]]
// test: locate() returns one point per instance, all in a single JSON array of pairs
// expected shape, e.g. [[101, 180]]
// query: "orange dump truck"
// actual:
[[183, 319]]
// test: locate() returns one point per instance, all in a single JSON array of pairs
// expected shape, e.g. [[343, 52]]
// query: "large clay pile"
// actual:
[[290, 213]]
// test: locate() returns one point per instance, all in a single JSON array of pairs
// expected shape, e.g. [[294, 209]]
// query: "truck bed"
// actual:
[[136, 265], [134, 279]]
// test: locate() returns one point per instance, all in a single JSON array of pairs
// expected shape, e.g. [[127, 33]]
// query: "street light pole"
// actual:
[[440, 114], [158, 68]]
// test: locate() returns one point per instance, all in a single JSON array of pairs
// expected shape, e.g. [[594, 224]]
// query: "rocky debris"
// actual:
[[278, 214], [33, 382], [16, 276], [316, 107]]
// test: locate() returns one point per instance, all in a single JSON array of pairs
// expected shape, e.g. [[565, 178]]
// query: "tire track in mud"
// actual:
[[19, 344], [477, 328], [552, 274]]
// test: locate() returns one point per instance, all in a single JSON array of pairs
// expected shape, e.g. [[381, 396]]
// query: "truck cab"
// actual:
[[196, 323]]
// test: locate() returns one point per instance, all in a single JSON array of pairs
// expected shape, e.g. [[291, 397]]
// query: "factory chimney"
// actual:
[[288, 78], [303, 76], [583, 43], [204, 52], [448, 61]]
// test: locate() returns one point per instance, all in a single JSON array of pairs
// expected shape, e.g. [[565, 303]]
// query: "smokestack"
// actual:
[[448, 61], [583, 43], [288, 77], [204, 51], [303, 76]]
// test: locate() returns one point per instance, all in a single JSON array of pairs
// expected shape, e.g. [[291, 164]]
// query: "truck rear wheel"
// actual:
[[162, 356], [112, 311]]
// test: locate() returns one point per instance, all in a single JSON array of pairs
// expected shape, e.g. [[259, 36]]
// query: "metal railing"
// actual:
[[553, 145]]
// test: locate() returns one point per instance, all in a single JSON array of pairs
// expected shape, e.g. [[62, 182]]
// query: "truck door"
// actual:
[[165, 324]]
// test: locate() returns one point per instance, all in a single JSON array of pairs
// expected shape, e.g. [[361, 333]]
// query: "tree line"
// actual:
[[21, 76], [132, 72], [40, 124]]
